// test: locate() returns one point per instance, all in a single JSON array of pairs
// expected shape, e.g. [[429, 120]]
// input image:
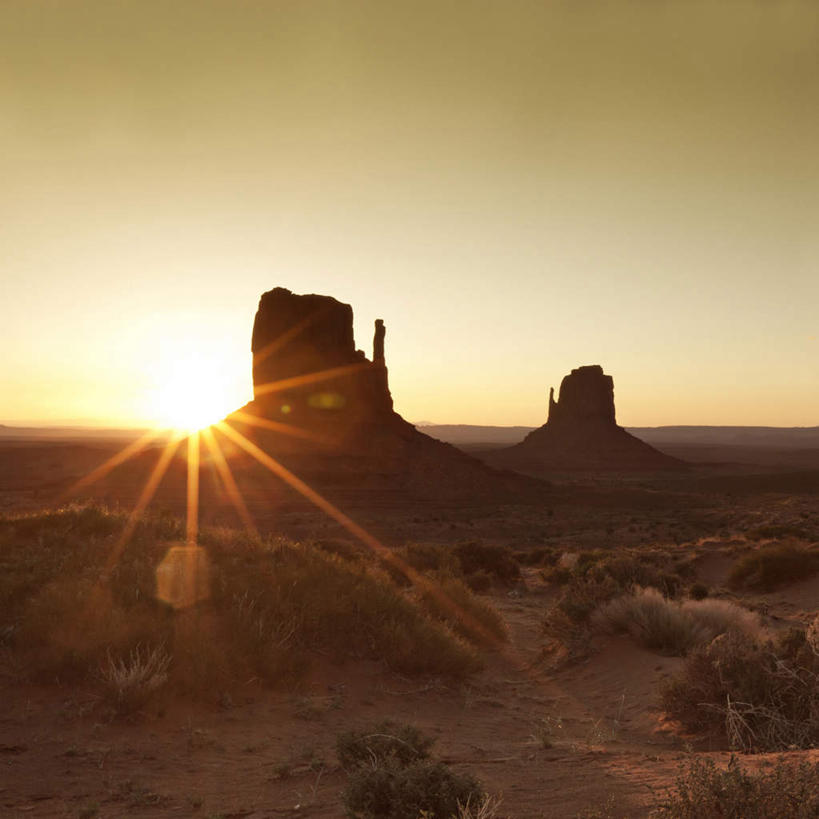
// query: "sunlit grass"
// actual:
[[275, 607]]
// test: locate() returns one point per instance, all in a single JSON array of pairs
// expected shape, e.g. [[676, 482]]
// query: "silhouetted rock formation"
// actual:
[[325, 411], [306, 369], [581, 433], [586, 398]]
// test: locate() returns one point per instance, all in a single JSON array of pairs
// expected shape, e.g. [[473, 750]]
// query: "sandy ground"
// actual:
[[552, 741]]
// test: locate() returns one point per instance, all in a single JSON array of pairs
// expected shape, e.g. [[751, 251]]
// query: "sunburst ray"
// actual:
[[278, 426], [229, 482], [134, 448], [192, 517], [378, 548], [309, 378], [145, 497], [288, 335]]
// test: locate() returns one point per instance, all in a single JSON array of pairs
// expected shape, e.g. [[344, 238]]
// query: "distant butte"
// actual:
[[324, 409], [581, 433]]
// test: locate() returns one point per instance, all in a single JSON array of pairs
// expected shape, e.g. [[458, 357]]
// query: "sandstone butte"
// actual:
[[581, 433], [324, 410]]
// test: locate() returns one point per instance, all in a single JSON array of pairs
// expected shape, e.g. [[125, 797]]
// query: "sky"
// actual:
[[516, 188]]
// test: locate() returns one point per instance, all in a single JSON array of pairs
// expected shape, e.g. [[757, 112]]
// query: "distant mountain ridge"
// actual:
[[784, 437]]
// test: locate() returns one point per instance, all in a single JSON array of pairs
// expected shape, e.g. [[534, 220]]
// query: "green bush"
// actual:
[[704, 791], [421, 788], [767, 568]]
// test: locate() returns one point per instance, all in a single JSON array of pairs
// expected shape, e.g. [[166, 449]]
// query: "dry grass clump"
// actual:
[[386, 743], [128, 683], [762, 696], [392, 777], [272, 606], [704, 791], [668, 626], [478, 564], [772, 566], [625, 568], [287, 600], [451, 601], [497, 562], [568, 619]]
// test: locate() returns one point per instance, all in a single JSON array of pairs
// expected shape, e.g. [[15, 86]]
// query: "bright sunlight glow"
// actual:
[[192, 390]]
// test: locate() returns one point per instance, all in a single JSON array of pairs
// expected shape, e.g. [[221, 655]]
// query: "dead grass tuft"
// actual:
[[761, 696], [671, 627], [704, 791], [129, 682], [769, 567]]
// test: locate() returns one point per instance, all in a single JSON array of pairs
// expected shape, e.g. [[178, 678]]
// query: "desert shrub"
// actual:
[[451, 601], [543, 556], [559, 575], [496, 561], [423, 788], [392, 777], [295, 598], [129, 682], [761, 696], [340, 548], [698, 591], [668, 626], [484, 808], [627, 569], [772, 566], [272, 606], [581, 597], [479, 581], [704, 791], [387, 743], [771, 531], [630, 571], [431, 557]]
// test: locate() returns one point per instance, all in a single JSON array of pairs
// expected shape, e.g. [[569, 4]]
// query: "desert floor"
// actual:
[[552, 737]]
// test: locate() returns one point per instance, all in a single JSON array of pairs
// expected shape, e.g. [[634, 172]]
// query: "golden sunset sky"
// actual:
[[516, 188]]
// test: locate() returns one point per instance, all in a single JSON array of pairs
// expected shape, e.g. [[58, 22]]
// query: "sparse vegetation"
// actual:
[[760, 696], [450, 600], [420, 789], [128, 683], [698, 591], [386, 743], [769, 567], [478, 564], [496, 561], [671, 627], [704, 791], [392, 777], [272, 606]]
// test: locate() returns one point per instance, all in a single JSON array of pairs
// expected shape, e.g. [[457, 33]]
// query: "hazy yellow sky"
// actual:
[[515, 188]]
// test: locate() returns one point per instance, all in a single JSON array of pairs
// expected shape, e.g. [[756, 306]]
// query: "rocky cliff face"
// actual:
[[581, 433], [586, 398], [325, 410], [306, 369]]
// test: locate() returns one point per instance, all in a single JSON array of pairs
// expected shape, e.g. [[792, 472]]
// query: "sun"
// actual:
[[192, 391]]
